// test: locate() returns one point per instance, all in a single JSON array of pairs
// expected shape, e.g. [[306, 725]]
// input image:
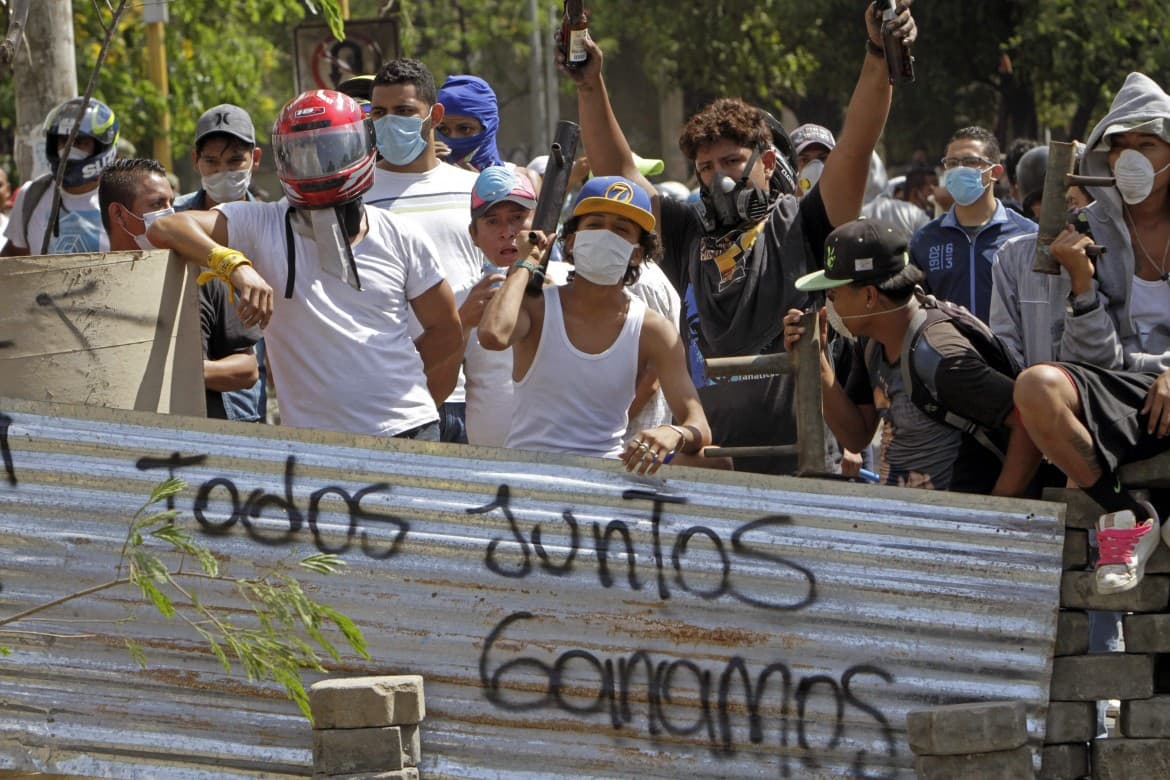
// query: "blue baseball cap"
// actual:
[[615, 195]]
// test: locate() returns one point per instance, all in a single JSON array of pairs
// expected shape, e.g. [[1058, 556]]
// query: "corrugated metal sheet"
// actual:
[[840, 607]]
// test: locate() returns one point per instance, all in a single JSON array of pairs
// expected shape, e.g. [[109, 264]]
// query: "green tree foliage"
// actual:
[[1020, 66], [1077, 54], [238, 52], [275, 641]]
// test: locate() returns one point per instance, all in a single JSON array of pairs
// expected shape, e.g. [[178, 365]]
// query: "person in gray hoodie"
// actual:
[[1087, 419]]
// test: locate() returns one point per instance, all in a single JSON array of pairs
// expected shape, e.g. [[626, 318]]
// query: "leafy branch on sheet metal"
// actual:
[[284, 634]]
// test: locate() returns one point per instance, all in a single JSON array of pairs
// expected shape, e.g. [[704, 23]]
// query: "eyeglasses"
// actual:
[[965, 162]]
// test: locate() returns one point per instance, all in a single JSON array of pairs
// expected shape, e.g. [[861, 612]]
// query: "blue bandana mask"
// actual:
[[400, 139], [464, 149], [965, 184]]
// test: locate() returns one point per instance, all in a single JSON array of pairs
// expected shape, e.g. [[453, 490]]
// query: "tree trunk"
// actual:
[[45, 74]]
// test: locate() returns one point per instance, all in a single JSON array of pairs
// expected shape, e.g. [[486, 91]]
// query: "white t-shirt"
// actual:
[[343, 359], [79, 224], [439, 202]]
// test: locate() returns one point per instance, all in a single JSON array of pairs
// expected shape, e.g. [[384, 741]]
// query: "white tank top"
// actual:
[[571, 401]]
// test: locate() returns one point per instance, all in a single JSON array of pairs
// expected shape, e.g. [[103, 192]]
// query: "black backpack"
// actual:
[[932, 311]]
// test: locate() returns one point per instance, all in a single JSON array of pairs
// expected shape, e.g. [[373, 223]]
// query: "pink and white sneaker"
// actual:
[[1124, 546]]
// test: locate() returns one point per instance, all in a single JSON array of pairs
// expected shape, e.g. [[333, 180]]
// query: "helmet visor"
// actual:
[[312, 154]]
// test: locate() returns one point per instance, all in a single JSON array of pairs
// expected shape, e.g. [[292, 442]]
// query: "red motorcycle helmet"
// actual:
[[325, 149]]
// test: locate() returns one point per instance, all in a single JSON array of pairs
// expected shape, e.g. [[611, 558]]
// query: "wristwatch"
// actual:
[[1083, 303]]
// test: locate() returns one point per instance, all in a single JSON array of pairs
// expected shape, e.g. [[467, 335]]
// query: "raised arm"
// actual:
[[847, 169], [505, 319], [609, 152]]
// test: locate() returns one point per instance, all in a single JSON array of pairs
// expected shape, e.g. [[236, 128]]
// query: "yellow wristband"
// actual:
[[222, 261]]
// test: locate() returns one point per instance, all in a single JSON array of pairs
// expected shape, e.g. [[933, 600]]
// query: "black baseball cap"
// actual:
[[228, 119], [863, 251]]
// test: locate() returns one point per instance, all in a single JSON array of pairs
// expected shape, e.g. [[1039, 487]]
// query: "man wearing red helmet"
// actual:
[[338, 341]]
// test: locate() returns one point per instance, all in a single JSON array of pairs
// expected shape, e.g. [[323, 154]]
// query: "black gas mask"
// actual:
[[729, 204]]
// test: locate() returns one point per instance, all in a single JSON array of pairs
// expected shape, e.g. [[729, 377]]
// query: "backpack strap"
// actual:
[[32, 196], [919, 389]]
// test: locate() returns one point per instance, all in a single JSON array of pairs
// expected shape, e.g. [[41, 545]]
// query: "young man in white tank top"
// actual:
[[578, 349]]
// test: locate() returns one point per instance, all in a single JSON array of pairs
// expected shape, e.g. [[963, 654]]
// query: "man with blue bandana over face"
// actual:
[[471, 119]]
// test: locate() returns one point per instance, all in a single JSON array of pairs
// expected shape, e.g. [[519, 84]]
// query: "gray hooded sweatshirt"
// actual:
[[1139, 100], [1029, 311]]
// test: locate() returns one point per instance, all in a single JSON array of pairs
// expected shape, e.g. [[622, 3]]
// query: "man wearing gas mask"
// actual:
[[734, 257], [344, 274], [813, 145], [413, 183]]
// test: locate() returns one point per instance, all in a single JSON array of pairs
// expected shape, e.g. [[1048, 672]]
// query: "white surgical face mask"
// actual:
[[838, 324], [148, 219], [601, 256], [810, 174], [227, 186], [1134, 176], [837, 321]]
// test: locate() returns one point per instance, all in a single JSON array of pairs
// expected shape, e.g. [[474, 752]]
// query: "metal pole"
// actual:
[[154, 13], [538, 111]]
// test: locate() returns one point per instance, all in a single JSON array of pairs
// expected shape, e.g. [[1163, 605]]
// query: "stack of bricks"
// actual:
[[980, 741], [1139, 677], [367, 727]]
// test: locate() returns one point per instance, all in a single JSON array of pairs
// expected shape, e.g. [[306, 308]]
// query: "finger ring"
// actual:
[[653, 456], [643, 445]]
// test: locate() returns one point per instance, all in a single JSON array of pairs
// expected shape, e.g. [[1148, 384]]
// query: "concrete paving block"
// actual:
[[959, 729], [1070, 722], [408, 773], [1102, 676], [366, 702], [1162, 673], [1001, 765], [1131, 759], [1147, 633], [1064, 762], [1146, 718], [1076, 553], [1159, 562], [1081, 511], [1072, 632], [1078, 590], [347, 751]]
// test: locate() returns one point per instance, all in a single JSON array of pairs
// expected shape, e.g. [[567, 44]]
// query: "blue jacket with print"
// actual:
[[957, 265]]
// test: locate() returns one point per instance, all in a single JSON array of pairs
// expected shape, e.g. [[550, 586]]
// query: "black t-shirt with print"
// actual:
[[748, 412]]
